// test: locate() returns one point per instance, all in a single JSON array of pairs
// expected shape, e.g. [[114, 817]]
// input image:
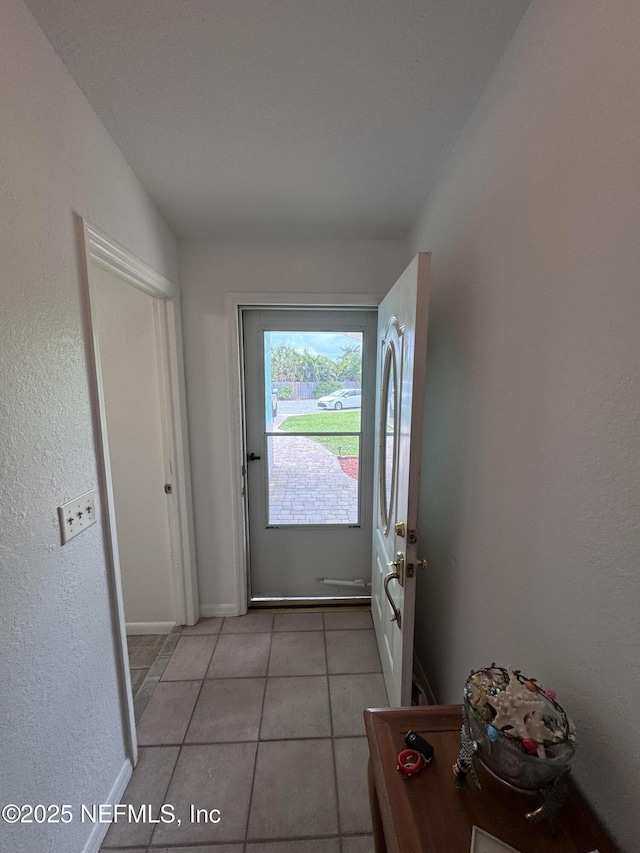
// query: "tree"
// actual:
[[291, 365], [284, 363], [349, 364]]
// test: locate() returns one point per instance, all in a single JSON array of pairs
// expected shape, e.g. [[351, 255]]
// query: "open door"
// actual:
[[401, 371]]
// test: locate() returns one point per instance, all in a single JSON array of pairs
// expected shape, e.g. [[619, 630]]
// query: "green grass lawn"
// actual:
[[339, 445]]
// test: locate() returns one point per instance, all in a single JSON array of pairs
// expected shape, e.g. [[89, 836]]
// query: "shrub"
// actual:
[[327, 387], [285, 392]]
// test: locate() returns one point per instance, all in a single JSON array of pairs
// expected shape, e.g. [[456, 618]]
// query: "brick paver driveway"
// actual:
[[308, 486]]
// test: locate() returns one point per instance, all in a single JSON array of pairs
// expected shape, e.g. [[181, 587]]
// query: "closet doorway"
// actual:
[[133, 325]]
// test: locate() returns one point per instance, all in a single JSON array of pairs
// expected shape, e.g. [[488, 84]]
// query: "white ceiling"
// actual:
[[272, 118]]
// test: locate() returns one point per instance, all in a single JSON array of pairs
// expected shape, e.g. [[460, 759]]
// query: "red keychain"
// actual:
[[410, 762]]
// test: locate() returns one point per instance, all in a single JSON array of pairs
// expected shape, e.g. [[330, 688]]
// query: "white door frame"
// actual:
[[100, 250], [235, 304]]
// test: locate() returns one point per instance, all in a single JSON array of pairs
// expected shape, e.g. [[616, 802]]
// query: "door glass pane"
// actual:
[[312, 388], [388, 430], [313, 381], [313, 480]]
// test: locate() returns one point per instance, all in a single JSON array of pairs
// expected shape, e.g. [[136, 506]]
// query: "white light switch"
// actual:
[[76, 516]]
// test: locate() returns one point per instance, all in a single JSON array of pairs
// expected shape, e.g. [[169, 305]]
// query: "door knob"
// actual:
[[251, 457], [422, 563]]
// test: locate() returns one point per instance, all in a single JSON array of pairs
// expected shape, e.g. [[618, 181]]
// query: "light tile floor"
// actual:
[[259, 716], [143, 650], [149, 655]]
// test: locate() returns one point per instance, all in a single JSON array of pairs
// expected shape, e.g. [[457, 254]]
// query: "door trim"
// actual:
[[101, 250], [235, 304]]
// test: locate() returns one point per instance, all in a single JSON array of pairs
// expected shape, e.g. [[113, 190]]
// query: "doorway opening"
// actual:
[[133, 326], [309, 387], [397, 417]]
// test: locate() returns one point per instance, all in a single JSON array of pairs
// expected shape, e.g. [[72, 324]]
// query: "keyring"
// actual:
[[410, 762]]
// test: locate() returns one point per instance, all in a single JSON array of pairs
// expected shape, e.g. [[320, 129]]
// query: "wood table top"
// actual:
[[428, 813]]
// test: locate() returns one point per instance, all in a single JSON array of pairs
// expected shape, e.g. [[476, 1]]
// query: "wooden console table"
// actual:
[[427, 813]]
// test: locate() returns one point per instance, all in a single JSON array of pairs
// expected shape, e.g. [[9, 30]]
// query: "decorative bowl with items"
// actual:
[[519, 733]]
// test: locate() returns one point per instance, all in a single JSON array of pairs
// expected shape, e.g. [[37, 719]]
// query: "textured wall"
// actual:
[[207, 272], [531, 485], [61, 734]]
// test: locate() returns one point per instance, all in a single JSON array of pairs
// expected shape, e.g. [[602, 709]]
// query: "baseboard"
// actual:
[[208, 610], [99, 830], [422, 680], [149, 627]]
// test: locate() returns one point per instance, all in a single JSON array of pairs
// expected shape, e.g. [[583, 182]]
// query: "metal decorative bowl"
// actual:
[[521, 734]]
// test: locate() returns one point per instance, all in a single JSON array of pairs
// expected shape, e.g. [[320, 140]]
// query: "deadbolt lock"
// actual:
[[401, 530]]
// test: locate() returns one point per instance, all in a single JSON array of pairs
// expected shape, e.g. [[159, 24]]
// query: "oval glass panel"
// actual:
[[388, 430]]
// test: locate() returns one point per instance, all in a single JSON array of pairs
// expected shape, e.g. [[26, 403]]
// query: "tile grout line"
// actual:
[[241, 677], [333, 741], [191, 845], [291, 840], [181, 745], [255, 760], [239, 742]]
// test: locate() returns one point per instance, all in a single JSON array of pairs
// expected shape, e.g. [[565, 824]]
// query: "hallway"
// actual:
[[259, 717]]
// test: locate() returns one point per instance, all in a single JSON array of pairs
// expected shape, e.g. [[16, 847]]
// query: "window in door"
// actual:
[[312, 380]]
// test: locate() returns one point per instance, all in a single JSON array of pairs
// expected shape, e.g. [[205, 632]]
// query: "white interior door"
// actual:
[[401, 371], [126, 324]]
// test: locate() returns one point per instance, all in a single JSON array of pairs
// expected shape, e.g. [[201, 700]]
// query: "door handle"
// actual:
[[251, 457], [399, 565], [397, 616]]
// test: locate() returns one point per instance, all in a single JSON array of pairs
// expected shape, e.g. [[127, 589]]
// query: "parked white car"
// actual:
[[345, 398]]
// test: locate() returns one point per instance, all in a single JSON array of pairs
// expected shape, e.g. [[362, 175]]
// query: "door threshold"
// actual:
[[316, 601]]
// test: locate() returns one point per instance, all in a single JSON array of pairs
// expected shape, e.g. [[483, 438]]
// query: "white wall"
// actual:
[[129, 358], [61, 736], [531, 486], [207, 272]]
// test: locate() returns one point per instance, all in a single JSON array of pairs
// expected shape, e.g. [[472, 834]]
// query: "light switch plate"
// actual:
[[76, 516]]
